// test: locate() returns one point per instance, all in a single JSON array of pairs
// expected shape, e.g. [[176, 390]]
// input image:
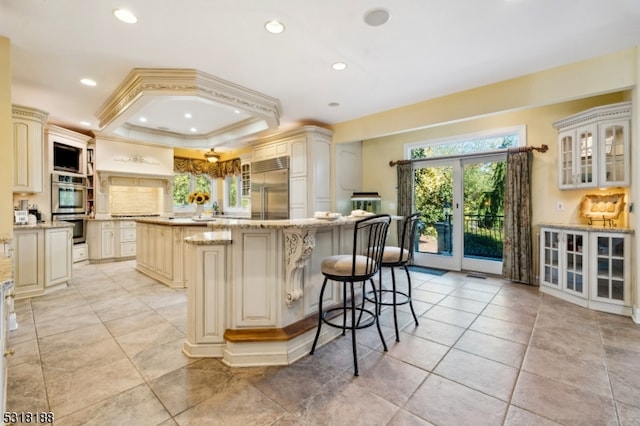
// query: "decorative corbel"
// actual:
[[299, 244]]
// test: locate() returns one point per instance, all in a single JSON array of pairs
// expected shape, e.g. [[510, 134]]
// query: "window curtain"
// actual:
[[517, 264], [405, 191], [220, 169]]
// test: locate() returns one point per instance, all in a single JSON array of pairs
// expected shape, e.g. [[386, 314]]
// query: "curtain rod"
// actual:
[[543, 148]]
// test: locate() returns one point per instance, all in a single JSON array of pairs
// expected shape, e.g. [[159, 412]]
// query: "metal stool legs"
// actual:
[[406, 298], [356, 323]]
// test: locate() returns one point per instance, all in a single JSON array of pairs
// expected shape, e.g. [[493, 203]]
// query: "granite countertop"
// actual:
[[219, 223], [210, 238], [44, 225], [589, 228]]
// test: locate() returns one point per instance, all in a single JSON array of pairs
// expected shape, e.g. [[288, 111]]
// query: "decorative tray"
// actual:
[[602, 207]]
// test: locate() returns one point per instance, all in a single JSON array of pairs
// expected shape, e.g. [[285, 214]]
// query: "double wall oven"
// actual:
[[69, 201]]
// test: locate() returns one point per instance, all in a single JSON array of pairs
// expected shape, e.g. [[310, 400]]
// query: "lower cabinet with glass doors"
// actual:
[[586, 266]]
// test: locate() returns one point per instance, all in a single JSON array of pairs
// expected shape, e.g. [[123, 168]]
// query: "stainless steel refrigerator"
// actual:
[[270, 189]]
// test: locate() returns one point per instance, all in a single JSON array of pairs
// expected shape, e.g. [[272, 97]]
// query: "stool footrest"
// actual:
[[404, 297], [367, 322]]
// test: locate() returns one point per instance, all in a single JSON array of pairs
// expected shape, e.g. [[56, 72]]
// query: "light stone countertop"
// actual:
[[219, 223], [587, 228], [44, 225], [210, 238]]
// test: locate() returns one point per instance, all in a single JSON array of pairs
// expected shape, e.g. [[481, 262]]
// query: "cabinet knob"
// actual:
[[10, 352]]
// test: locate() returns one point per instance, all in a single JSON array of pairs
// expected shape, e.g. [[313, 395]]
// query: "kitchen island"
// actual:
[[253, 286], [43, 257], [160, 247]]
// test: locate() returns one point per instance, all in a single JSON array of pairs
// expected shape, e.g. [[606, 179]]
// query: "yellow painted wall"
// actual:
[[6, 151], [378, 176]]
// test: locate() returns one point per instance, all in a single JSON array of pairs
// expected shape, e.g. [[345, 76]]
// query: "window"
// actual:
[[483, 143], [185, 183], [237, 194]]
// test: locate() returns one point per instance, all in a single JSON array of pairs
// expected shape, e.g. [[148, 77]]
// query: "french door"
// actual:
[[462, 206]]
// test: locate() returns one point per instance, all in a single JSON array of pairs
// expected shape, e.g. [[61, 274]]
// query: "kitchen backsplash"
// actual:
[[135, 200]]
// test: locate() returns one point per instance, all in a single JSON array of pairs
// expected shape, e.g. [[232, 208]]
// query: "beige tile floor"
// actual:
[[107, 351]]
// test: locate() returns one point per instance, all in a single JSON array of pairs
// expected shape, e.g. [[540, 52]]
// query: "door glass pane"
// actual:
[[617, 290], [614, 153], [603, 245], [603, 287], [585, 139], [483, 209], [566, 156], [570, 280], [433, 188], [617, 268]]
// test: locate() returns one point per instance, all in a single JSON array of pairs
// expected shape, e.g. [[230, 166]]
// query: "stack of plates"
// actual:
[[327, 215]]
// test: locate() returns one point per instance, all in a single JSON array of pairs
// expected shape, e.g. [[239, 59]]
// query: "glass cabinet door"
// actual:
[[586, 151], [567, 141], [614, 140], [575, 264], [550, 268], [609, 281]]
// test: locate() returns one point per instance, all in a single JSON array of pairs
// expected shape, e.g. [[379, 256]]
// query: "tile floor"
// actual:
[[107, 351]]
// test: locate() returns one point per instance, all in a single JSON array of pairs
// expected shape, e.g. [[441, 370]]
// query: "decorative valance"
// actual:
[[220, 169]]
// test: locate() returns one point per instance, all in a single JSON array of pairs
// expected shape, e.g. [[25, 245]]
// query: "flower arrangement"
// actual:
[[198, 197]]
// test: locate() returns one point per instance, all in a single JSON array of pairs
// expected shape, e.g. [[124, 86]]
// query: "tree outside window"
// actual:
[[185, 183]]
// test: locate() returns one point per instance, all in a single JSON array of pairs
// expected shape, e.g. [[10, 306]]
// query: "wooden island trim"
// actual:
[[274, 334]]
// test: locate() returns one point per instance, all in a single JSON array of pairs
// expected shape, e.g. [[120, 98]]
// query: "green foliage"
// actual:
[[181, 189]]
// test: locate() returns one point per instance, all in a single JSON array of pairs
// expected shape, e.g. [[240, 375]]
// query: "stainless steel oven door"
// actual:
[[79, 222], [68, 198]]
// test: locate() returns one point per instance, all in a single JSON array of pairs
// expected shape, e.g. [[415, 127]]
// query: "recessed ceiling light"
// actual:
[[85, 123], [142, 119], [193, 129], [274, 27], [376, 17], [187, 115], [88, 82], [334, 104], [125, 16], [339, 66], [237, 111]]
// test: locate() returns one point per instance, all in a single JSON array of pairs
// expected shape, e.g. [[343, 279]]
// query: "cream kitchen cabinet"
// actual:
[[161, 251], [6, 300], [111, 240], [28, 149], [58, 256], [564, 264], [127, 238], [269, 150], [593, 148], [587, 266], [42, 258], [28, 267], [309, 149]]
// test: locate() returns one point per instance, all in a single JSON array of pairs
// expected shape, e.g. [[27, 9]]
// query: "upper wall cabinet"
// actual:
[[309, 149], [593, 147], [28, 149]]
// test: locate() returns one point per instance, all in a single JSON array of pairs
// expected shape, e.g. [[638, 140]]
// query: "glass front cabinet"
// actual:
[[587, 267], [593, 148], [563, 266]]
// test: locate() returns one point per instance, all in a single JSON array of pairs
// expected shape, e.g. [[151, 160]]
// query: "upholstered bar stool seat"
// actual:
[[341, 265], [393, 254], [392, 258], [360, 266]]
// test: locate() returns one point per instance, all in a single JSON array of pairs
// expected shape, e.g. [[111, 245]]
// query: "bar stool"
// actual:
[[392, 258], [360, 266]]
